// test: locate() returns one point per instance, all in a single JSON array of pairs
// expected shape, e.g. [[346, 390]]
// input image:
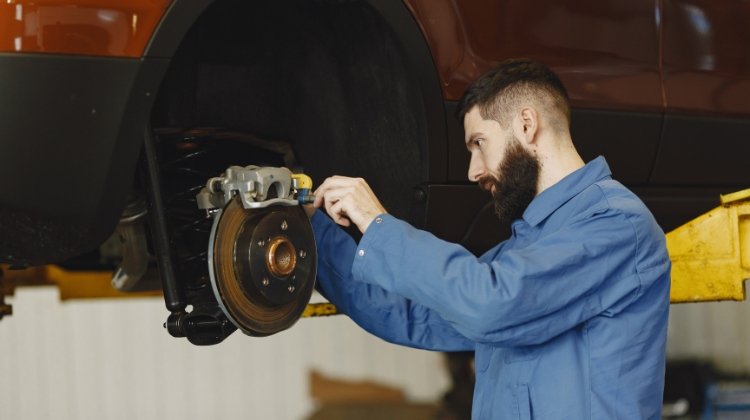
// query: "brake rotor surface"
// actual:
[[262, 264]]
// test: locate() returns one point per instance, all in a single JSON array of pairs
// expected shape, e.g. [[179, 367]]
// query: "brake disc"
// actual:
[[262, 265]]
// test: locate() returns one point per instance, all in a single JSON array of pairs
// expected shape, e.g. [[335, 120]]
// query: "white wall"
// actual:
[[718, 331], [111, 359]]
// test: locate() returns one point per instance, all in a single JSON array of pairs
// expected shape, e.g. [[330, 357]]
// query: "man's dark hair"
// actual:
[[512, 84]]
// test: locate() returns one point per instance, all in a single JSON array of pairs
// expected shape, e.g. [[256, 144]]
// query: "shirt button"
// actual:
[[361, 253], [378, 220]]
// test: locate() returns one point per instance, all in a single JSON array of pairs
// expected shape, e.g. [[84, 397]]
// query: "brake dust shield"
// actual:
[[262, 264]]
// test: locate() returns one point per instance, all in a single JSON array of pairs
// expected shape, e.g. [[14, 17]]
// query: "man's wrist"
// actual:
[[377, 218]]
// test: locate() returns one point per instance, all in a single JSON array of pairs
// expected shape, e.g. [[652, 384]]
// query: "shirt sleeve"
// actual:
[[382, 313], [523, 296]]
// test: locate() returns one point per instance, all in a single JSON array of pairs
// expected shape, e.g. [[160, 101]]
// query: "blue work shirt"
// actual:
[[567, 318]]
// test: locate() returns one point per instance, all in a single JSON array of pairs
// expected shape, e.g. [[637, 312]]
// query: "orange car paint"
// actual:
[[601, 50], [88, 27], [641, 55]]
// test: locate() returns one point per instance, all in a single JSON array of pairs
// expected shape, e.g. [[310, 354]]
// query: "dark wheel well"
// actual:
[[331, 78]]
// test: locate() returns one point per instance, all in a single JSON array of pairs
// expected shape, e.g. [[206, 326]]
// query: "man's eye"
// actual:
[[479, 142]]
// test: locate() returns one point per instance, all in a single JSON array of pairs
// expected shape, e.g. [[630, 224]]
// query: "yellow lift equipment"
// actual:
[[711, 254]]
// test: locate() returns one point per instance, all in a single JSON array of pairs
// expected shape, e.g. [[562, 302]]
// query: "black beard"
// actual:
[[516, 183]]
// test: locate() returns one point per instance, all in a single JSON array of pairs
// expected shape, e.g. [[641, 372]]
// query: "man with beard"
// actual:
[[568, 317]]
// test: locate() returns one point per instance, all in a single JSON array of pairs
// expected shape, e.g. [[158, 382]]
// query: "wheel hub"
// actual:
[[262, 265]]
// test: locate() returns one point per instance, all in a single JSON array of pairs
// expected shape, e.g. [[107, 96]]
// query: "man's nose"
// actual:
[[476, 168]]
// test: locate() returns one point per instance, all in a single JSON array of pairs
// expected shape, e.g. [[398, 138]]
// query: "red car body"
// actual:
[[366, 88]]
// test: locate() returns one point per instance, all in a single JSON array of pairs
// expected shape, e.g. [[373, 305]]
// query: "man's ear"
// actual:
[[526, 125]]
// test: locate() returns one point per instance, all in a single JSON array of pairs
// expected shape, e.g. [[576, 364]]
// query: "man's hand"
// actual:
[[348, 200]]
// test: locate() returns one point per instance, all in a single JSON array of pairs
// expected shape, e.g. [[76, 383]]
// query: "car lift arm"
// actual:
[[711, 254]]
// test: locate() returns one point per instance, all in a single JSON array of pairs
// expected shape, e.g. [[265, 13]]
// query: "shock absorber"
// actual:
[[174, 165]]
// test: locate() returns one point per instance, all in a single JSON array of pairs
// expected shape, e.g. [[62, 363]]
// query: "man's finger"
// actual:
[[319, 194], [348, 201], [338, 213], [333, 209], [330, 183], [333, 193]]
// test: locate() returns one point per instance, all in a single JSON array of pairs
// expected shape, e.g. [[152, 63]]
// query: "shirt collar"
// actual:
[[558, 194]]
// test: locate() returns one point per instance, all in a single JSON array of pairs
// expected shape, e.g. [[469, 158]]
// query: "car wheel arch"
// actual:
[[351, 84]]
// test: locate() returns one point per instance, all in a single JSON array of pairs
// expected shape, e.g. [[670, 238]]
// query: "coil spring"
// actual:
[[186, 167], [187, 160]]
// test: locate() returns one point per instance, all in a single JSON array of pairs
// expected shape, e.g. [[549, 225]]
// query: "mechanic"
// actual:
[[568, 317]]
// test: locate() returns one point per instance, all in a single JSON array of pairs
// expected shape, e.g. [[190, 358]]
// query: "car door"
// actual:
[[606, 53], [706, 65]]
